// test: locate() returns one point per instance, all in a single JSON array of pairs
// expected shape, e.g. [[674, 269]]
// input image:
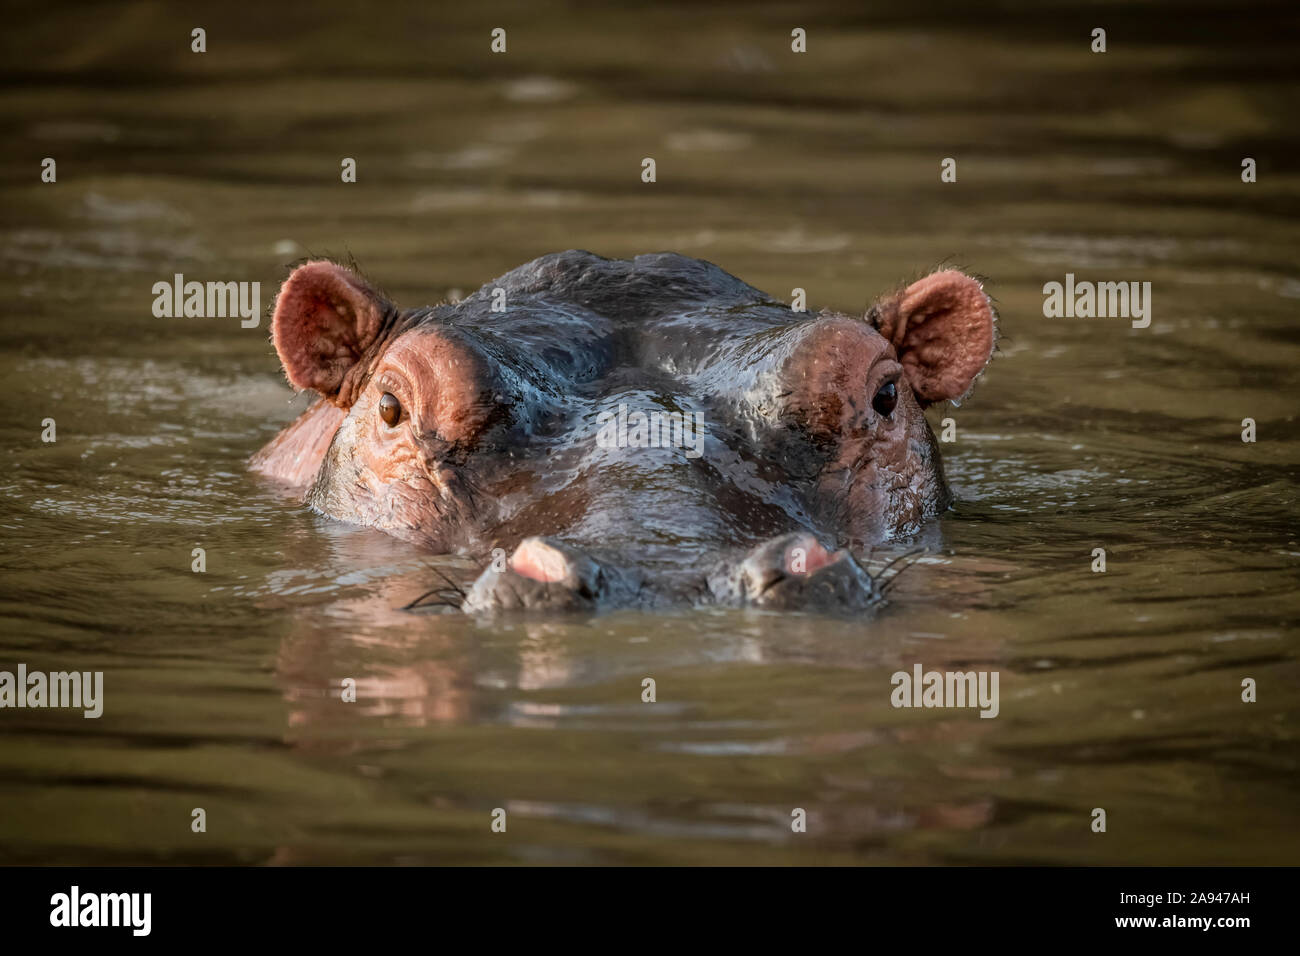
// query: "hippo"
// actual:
[[643, 433]]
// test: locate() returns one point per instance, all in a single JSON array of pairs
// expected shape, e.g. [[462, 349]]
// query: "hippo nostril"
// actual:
[[594, 585]]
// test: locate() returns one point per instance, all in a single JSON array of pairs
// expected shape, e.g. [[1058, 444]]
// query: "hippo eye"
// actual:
[[885, 400], [390, 409]]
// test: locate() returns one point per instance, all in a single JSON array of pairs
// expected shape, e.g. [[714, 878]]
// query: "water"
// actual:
[[1119, 690]]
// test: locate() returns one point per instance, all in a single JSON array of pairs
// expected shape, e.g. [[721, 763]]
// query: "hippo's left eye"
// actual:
[[885, 400], [390, 409]]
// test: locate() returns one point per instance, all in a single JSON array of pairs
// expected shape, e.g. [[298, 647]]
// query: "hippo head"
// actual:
[[626, 427]]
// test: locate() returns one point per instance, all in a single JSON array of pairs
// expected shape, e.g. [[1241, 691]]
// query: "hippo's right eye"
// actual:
[[390, 409]]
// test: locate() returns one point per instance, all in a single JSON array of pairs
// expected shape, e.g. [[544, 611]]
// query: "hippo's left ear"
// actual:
[[942, 327], [327, 319]]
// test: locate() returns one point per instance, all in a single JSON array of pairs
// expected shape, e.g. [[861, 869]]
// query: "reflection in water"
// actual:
[[820, 172]]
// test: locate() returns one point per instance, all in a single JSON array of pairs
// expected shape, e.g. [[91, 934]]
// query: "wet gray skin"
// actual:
[[509, 421]]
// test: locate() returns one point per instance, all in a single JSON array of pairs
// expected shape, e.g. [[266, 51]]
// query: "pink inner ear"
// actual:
[[325, 319], [943, 331]]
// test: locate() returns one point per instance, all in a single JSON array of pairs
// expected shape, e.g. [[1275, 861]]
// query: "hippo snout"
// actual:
[[792, 572]]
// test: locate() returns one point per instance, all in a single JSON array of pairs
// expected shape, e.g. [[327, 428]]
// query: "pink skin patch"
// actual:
[[537, 560], [814, 558], [294, 456]]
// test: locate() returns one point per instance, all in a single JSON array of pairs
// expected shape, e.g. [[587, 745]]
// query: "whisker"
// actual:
[[416, 603], [884, 588], [407, 607], [454, 586], [902, 557]]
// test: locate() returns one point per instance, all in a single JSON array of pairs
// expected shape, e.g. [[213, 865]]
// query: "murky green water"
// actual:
[[1119, 690]]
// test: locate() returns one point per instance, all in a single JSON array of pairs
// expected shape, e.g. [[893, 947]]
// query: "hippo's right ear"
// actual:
[[944, 328], [326, 321]]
